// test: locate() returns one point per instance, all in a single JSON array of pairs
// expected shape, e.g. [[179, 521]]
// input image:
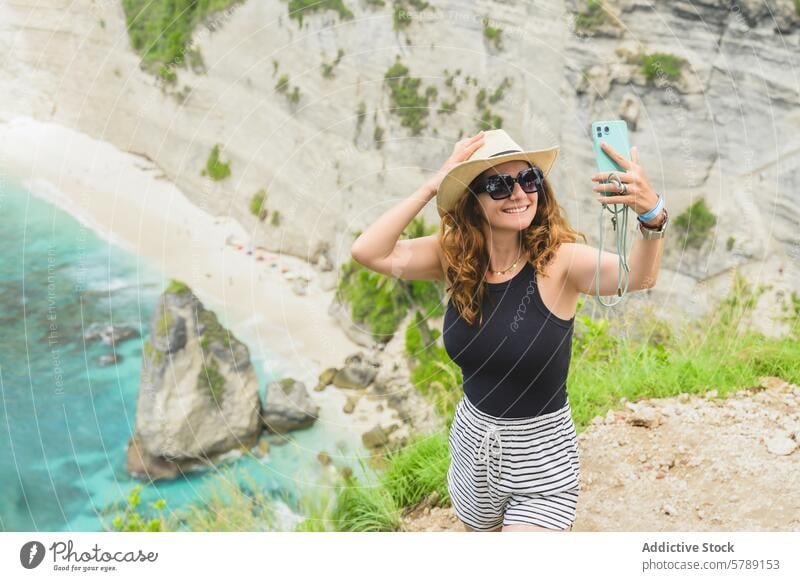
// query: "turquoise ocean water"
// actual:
[[66, 419]]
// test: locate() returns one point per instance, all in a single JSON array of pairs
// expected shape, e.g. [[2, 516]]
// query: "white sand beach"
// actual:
[[126, 199]]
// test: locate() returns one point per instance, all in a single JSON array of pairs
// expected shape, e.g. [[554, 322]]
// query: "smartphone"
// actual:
[[615, 133]]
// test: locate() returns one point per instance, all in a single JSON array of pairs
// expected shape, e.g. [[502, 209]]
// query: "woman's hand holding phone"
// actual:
[[640, 195]]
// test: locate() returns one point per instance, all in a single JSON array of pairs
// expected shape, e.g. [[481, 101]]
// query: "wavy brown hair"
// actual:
[[466, 251]]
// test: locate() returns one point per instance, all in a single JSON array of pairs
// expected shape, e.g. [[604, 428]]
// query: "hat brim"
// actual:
[[455, 183]]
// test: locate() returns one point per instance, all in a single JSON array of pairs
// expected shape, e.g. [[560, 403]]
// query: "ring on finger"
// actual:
[[613, 177]]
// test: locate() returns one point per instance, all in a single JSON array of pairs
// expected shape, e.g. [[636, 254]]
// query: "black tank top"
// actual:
[[516, 364]]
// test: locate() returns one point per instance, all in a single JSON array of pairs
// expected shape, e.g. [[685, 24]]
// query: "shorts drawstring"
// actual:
[[486, 448]]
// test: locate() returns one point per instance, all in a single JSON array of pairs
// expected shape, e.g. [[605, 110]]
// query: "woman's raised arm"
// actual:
[[379, 247]]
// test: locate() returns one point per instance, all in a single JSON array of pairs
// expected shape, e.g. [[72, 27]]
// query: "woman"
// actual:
[[514, 273]]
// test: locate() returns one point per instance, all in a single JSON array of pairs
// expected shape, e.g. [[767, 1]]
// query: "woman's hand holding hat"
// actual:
[[462, 151]]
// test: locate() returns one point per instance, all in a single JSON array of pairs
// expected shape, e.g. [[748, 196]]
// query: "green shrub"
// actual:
[[591, 16], [434, 374], [381, 302], [361, 114], [299, 8], [499, 92], [729, 243], [294, 96], [407, 103], [490, 121], [167, 75], [492, 34], [377, 136], [160, 31], [447, 107], [133, 519], [276, 218], [662, 64], [177, 287], [695, 224], [282, 86], [257, 206], [215, 168], [401, 17]]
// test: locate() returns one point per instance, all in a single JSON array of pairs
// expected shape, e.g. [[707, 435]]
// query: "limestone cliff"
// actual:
[[708, 86]]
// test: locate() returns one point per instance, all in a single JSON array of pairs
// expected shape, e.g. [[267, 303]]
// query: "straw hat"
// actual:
[[498, 147]]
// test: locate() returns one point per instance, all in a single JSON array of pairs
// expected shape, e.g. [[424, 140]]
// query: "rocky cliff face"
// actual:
[[198, 397], [722, 124]]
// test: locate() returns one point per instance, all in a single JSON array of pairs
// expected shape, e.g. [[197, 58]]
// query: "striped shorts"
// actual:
[[513, 470]]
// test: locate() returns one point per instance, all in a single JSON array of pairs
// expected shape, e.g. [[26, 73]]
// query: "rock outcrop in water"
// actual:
[[198, 397], [288, 406]]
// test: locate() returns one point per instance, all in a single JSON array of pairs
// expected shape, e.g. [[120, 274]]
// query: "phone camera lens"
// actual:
[[605, 129]]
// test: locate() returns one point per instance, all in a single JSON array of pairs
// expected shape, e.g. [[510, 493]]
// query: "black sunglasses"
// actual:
[[500, 186]]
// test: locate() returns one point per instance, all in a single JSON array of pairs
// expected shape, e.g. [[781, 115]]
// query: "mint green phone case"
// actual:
[[615, 133]]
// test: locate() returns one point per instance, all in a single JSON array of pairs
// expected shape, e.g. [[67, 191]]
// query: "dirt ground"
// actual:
[[684, 463]]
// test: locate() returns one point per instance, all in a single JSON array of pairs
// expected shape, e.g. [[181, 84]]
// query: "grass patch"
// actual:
[[695, 224], [364, 508], [661, 64], [215, 168], [417, 470]]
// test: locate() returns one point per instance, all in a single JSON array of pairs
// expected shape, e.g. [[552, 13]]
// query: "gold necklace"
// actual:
[[502, 272]]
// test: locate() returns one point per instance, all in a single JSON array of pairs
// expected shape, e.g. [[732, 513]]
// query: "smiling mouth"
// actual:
[[517, 210]]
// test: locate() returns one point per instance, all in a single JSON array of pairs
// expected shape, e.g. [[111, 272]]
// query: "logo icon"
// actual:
[[31, 554]]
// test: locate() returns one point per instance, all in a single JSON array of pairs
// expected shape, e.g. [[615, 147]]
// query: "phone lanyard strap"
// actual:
[[622, 253]]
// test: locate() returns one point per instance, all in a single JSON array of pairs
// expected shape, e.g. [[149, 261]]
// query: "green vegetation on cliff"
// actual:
[[211, 379], [492, 34], [661, 64], [591, 16], [407, 102], [176, 287], [300, 8], [215, 168], [161, 31], [258, 206], [695, 224], [381, 302]]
